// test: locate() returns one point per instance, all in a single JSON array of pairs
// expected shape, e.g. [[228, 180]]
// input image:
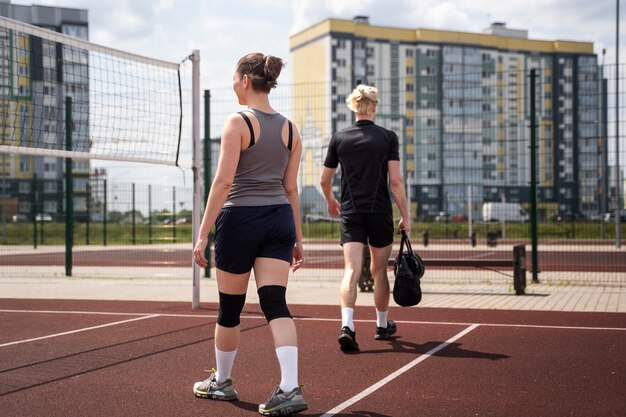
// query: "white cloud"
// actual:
[[224, 30]]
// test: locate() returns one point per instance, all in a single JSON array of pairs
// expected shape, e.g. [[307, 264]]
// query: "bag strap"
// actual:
[[405, 241]]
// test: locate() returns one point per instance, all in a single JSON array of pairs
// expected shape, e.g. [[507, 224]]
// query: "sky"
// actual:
[[225, 30]]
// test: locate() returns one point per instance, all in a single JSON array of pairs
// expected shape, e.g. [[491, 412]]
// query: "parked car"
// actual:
[[457, 218], [510, 212], [43, 217], [608, 217], [442, 216]]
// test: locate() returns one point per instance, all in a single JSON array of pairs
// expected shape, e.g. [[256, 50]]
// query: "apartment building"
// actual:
[[460, 104], [36, 75]]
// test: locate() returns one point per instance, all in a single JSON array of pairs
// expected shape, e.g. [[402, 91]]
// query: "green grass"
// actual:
[[117, 234], [122, 234]]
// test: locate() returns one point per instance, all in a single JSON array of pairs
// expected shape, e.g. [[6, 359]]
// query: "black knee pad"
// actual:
[[273, 303], [230, 309]]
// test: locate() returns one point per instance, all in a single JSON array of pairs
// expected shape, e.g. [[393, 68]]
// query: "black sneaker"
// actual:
[[347, 340], [384, 333]]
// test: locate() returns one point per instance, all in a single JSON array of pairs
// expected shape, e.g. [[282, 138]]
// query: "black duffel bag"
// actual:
[[408, 269]]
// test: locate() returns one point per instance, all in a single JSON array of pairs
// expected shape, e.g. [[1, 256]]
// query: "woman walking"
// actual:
[[254, 206]]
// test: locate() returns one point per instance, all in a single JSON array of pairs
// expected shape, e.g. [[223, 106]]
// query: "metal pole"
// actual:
[[207, 169], [5, 197], [503, 220], [174, 214], [134, 218], [618, 184], [150, 213], [104, 215], [88, 211], [469, 211], [33, 210], [533, 175], [69, 190], [197, 183]]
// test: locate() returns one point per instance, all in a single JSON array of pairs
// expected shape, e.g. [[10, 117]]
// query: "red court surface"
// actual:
[[113, 358]]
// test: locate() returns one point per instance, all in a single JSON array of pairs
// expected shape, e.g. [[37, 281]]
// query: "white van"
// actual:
[[510, 212]]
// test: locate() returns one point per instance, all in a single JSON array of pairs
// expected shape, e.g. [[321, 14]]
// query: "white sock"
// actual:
[[288, 361], [381, 318], [224, 363], [347, 315]]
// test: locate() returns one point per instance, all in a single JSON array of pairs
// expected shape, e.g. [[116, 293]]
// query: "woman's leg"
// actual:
[[232, 290], [271, 277], [232, 293]]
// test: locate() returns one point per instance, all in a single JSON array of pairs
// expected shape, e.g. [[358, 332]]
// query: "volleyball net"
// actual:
[[125, 107]]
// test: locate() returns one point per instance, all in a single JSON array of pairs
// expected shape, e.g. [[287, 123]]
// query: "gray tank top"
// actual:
[[259, 177]]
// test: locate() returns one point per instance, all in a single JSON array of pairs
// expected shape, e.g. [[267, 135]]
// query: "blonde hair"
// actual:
[[363, 99]]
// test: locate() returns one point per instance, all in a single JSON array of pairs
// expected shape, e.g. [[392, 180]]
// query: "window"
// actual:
[[50, 206], [24, 164], [50, 187]]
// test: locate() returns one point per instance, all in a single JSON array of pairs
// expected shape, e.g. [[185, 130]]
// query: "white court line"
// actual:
[[397, 373], [101, 313], [259, 317], [78, 330]]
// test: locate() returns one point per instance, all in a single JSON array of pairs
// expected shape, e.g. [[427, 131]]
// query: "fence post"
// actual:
[[519, 269], [88, 211], [174, 214], [69, 190], [533, 174], [33, 210], [618, 181], [134, 217], [104, 216], [150, 213]]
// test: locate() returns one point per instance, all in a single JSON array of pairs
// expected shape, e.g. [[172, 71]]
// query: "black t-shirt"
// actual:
[[363, 151]]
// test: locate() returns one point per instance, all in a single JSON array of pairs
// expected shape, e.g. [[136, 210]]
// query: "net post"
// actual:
[[197, 158], [207, 169]]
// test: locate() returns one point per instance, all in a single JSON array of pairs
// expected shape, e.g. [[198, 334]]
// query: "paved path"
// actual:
[[446, 289]]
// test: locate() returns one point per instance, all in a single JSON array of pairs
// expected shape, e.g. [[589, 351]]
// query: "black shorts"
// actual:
[[373, 229], [243, 234]]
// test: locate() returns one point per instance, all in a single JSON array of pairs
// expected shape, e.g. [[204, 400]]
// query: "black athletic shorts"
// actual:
[[373, 229], [243, 234]]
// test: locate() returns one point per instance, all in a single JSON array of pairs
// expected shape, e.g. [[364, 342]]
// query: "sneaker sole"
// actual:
[[216, 397], [384, 337], [286, 410], [347, 344]]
